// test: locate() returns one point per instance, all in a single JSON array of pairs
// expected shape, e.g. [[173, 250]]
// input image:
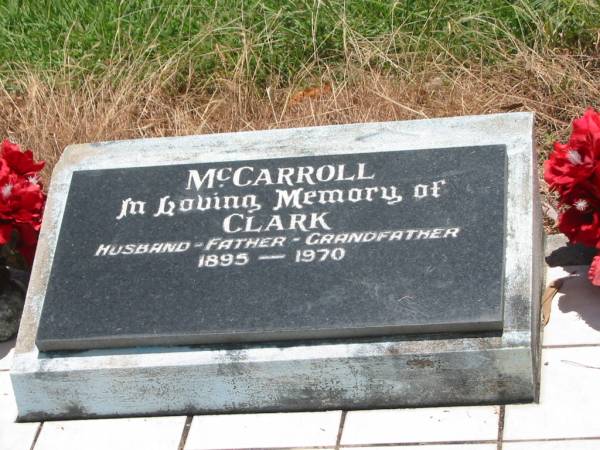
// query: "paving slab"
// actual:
[[460, 446], [569, 398], [575, 313], [152, 433], [13, 436], [421, 425], [264, 430], [592, 444]]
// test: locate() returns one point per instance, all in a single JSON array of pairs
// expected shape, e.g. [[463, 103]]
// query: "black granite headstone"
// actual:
[[308, 247]]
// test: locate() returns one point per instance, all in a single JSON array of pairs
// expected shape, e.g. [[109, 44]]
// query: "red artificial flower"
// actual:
[[21, 198], [28, 237], [20, 162], [567, 167], [581, 227], [21, 205], [573, 170], [584, 197], [586, 132]]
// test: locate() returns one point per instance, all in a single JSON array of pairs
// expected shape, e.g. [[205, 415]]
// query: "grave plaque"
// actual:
[[358, 266], [354, 244]]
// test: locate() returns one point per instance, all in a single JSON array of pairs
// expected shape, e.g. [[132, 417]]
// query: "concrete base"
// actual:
[[382, 374], [416, 370]]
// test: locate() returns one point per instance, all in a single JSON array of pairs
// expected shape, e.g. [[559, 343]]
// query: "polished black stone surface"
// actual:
[[114, 282]]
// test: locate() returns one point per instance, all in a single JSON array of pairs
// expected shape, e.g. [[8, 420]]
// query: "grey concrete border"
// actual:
[[403, 371]]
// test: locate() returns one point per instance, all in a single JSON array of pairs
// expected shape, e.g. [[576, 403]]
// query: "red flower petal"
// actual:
[[28, 237], [566, 167], [581, 227], [21, 198], [5, 233], [594, 272], [20, 162]]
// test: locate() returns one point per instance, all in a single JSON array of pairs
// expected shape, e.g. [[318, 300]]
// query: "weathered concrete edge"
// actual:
[[385, 380], [538, 271], [520, 312]]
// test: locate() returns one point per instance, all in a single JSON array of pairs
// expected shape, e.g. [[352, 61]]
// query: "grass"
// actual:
[[273, 41], [83, 70]]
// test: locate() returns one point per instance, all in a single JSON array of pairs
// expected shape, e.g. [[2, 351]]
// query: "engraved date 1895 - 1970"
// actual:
[[307, 255]]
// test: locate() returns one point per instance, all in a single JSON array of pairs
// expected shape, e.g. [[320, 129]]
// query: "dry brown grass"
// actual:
[[48, 116]]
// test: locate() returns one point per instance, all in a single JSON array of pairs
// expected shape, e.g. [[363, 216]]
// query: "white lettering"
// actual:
[[194, 177]]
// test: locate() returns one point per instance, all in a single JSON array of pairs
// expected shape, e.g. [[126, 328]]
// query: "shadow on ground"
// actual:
[[576, 298], [6, 347]]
